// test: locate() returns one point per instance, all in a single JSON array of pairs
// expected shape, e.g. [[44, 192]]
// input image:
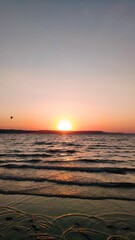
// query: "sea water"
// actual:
[[89, 166]]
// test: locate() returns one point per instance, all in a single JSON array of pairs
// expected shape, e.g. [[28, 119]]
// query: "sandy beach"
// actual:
[[34, 217]]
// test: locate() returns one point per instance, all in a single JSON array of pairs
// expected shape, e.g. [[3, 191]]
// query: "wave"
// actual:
[[61, 151], [99, 161], [24, 155], [77, 183], [48, 153], [43, 143], [21, 161], [117, 170], [63, 161], [61, 143], [77, 196], [71, 144]]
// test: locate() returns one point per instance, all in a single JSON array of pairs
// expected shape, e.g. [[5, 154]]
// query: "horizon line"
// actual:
[[47, 131]]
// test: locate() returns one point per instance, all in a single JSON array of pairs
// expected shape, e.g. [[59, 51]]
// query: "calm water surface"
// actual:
[[75, 166]]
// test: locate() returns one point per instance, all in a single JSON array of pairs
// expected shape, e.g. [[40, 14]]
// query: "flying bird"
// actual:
[[11, 117]]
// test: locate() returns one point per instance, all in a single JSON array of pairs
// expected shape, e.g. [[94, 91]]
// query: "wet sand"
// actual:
[[34, 217]]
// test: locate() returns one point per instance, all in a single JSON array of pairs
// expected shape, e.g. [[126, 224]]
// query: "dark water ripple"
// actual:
[[77, 183], [75, 169]]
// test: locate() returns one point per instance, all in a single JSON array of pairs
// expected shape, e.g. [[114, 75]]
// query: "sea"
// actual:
[[81, 166]]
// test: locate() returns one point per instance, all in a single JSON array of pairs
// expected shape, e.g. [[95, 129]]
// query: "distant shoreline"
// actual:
[[19, 131]]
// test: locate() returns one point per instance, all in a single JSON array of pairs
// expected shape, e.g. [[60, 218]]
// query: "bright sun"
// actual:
[[64, 125]]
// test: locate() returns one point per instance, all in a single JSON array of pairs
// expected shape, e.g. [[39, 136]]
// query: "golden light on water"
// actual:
[[64, 125]]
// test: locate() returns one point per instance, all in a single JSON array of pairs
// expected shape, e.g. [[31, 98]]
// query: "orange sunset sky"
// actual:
[[71, 60]]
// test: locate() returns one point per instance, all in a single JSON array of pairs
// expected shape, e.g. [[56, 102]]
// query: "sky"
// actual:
[[67, 59]]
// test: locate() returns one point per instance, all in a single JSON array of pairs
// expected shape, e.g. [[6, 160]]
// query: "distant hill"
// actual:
[[16, 131]]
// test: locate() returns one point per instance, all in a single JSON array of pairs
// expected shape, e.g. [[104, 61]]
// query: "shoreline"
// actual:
[[22, 200]]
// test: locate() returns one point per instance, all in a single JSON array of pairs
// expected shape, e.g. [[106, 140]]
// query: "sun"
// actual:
[[64, 125]]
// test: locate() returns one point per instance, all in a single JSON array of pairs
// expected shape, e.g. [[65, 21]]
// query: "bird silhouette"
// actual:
[[11, 117]]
